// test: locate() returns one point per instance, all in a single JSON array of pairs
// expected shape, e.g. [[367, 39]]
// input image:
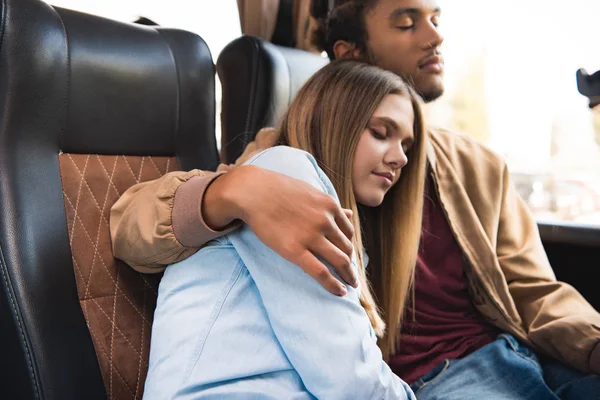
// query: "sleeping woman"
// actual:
[[237, 321]]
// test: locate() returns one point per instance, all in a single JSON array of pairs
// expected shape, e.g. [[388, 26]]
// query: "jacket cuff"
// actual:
[[595, 360], [189, 226]]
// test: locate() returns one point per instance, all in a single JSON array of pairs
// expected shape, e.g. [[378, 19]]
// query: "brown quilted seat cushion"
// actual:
[[118, 303]]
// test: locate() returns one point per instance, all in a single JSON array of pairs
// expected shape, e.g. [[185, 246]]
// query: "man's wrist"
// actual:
[[221, 204]]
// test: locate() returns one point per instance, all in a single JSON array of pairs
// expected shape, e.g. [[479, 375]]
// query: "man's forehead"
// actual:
[[425, 6]]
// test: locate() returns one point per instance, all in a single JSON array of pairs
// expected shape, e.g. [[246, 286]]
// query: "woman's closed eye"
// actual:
[[379, 134]]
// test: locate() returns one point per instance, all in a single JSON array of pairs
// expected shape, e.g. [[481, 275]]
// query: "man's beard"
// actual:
[[428, 95], [431, 95]]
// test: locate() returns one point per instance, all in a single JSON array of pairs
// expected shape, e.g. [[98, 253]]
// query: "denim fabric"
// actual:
[[570, 384], [237, 321], [504, 369]]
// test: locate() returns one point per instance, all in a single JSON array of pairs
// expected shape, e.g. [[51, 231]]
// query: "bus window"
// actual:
[[513, 86]]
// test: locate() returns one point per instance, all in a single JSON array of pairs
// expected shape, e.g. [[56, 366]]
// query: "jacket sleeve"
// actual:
[[328, 339], [555, 316], [160, 222]]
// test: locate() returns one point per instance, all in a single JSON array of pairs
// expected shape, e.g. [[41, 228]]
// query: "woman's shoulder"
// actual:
[[282, 154], [293, 162]]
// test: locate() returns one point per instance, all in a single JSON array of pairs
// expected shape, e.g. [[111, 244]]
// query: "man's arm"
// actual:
[[143, 222], [555, 315], [165, 221]]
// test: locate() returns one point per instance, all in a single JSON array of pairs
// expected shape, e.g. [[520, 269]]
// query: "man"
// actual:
[[482, 271]]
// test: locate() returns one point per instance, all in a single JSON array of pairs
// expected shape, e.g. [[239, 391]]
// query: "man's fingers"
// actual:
[[343, 222], [339, 240], [319, 271], [338, 259], [348, 213]]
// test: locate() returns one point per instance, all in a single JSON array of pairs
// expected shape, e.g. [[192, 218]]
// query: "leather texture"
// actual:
[[73, 85], [117, 302], [259, 81]]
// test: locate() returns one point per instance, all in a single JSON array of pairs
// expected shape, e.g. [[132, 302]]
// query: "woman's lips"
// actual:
[[385, 176]]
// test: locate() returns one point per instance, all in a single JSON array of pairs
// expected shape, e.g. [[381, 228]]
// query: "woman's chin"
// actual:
[[371, 201]]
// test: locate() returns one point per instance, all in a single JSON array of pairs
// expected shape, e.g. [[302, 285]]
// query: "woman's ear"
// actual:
[[343, 49]]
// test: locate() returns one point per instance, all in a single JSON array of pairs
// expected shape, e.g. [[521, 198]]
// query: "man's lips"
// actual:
[[433, 63]]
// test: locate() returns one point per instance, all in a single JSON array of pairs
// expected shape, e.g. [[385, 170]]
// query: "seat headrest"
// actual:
[[259, 81], [124, 88], [127, 81]]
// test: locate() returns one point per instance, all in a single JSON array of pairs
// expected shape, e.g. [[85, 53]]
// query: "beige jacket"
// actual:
[[512, 283]]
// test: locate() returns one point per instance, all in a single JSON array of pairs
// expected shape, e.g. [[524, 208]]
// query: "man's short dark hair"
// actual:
[[340, 20]]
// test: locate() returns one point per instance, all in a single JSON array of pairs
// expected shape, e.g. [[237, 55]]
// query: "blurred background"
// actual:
[[510, 83]]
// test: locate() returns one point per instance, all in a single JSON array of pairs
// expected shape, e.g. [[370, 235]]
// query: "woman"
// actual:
[[233, 321]]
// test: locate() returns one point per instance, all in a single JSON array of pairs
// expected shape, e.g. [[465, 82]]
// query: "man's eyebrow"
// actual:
[[411, 11]]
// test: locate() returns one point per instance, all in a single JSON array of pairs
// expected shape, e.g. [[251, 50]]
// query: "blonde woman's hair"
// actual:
[[327, 118]]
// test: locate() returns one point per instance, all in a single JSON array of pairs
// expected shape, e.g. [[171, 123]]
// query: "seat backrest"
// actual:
[[259, 81], [89, 107]]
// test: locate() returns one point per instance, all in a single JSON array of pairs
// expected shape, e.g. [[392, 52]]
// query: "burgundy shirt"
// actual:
[[446, 324]]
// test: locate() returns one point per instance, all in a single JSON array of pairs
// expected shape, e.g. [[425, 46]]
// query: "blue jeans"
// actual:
[[570, 384], [504, 369]]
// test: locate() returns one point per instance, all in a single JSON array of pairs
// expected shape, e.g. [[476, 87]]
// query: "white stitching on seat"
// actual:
[[78, 195], [110, 267], [152, 288], [107, 174], [112, 334], [117, 328], [98, 342], [137, 382], [101, 219], [86, 294], [141, 170], [82, 176], [129, 167], [156, 168]]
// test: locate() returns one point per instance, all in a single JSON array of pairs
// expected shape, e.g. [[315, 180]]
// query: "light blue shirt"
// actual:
[[237, 321]]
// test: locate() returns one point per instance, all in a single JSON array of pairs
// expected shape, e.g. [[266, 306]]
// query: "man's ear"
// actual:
[[344, 49]]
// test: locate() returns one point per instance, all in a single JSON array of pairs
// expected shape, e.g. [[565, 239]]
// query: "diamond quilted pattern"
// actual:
[[118, 303]]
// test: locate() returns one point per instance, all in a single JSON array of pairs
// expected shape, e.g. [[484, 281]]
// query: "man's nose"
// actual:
[[433, 37]]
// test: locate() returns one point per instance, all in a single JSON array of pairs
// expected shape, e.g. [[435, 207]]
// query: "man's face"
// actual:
[[403, 37]]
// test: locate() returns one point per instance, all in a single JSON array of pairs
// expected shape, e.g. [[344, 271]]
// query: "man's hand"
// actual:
[[296, 220]]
